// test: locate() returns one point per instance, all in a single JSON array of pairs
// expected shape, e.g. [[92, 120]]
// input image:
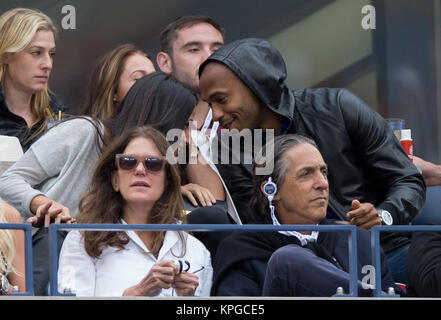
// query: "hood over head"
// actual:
[[261, 68]]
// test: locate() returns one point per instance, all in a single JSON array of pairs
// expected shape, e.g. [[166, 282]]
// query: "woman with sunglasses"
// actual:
[[134, 184], [48, 181]]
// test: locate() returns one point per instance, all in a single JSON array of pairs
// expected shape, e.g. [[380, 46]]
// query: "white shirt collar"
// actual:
[[170, 238]]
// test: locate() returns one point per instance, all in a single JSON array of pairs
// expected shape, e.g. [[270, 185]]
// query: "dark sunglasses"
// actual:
[[130, 162]]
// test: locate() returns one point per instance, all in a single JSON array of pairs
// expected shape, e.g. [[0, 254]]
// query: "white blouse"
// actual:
[[116, 270]]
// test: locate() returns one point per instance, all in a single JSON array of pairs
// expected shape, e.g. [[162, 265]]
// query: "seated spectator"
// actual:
[[255, 263], [112, 78], [134, 184], [50, 178], [244, 83], [184, 44], [27, 48], [12, 252]]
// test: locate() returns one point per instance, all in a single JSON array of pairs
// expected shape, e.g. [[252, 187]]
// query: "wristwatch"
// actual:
[[4, 288], [385, 217]]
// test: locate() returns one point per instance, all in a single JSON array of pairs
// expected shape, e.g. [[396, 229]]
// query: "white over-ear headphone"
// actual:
[[270, 190]]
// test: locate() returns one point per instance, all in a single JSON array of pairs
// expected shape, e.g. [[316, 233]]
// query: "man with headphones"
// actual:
[[372, 180], [290, 263]]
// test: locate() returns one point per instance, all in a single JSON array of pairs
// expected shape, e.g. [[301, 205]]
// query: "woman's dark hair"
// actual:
[[273, 151], [157, 100], [102, 204]]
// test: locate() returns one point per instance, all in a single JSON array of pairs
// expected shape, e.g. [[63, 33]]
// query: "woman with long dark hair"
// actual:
[[134, 184]]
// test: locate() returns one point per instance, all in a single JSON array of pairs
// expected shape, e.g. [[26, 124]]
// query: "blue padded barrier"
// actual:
[[28, 255], [431, 212], [352, 241], [375, 246]]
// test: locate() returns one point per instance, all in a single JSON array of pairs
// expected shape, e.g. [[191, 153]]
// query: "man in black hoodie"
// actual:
[[371, 178]]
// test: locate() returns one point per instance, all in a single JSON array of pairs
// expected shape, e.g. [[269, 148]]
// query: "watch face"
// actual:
[[386, 217]]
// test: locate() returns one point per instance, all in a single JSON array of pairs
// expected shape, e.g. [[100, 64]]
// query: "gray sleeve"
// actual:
[[16, 183], [45, 162]]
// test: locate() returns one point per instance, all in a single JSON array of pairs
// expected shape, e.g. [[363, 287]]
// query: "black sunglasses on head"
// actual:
[[130, 162]]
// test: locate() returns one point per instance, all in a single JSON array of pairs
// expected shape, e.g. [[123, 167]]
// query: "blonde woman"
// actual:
[[112, 78], [27, 48], [12, 259]]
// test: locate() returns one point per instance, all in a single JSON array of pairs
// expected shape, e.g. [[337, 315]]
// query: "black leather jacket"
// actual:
[[14, 125], [365, 160]]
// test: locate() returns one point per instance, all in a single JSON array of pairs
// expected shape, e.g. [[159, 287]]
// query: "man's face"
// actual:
[[303, 197], [192, 47], [233, 104]]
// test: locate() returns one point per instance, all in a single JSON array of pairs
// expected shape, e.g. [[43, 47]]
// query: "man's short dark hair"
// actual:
[[170, 33]]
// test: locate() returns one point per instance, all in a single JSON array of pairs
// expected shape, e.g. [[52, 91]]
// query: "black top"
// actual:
[[14, 125]]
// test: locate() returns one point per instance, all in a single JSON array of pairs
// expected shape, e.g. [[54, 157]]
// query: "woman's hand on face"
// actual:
[[48, 212], [194, 191], [186, 284], [161, 276]]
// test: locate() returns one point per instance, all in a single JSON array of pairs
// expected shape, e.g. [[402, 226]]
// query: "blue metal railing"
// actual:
[[376, 252], [28, 255], [352, 238], [351, 230]]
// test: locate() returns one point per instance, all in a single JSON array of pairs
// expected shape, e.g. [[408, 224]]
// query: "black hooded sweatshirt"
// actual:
[[365, 160]]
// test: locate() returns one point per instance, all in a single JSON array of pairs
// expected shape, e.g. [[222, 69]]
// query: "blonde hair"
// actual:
[[7, 244], [17, 29]]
